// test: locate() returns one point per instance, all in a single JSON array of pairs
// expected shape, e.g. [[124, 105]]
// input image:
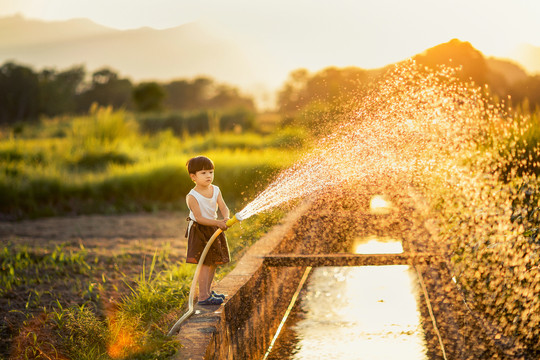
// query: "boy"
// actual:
[[203, 201]]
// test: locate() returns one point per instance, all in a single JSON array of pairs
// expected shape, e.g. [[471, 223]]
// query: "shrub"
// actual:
[[95, 161]]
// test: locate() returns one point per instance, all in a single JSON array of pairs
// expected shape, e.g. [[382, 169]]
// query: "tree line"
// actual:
[[304, 99], [312, 99], [27, 94]]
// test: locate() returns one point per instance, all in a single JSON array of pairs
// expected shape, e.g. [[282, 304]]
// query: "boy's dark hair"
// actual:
[[199, 163]]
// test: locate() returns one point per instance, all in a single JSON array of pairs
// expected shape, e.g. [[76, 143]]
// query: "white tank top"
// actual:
[[208, 206]]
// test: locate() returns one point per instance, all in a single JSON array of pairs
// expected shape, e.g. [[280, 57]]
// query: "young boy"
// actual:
[[203, 201]]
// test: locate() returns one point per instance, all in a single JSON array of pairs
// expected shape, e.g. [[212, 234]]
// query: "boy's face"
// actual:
[[203, 177]]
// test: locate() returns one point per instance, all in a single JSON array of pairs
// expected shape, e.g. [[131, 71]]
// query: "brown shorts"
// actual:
[[198, 238]]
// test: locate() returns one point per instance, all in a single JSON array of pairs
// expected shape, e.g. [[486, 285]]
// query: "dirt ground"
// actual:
[[102, 234], [120, 245]]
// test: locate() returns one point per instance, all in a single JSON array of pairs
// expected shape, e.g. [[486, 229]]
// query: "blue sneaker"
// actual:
[[211, 301], [216, 295]]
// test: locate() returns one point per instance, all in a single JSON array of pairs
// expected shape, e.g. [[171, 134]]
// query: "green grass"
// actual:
[[103, 164]]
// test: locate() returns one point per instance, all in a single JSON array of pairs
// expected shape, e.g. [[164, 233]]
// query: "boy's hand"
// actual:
[[222, 224]]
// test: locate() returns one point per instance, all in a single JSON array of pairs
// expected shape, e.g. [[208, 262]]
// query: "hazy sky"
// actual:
[[351, 32]]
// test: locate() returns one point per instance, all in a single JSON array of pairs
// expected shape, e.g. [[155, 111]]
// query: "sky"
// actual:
[[317, 33]]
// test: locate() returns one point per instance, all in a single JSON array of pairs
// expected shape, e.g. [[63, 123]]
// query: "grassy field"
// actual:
[[102, 163]]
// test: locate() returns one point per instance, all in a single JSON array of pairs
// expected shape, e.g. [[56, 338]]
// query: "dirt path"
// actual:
[[102, 234]]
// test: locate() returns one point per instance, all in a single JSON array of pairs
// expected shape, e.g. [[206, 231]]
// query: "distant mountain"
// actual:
[[182, 52], [26, 32], [511, 72]]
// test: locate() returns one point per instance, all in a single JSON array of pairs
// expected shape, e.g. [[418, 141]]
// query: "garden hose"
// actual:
[[236, 218]]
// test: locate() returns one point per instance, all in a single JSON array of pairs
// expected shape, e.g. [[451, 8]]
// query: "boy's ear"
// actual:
[[192, 176]]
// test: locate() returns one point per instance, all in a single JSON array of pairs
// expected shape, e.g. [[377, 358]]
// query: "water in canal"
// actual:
[[368, 312]]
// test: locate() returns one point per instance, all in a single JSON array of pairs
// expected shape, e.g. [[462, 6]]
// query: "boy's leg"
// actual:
[[211, 273], [204, 292]]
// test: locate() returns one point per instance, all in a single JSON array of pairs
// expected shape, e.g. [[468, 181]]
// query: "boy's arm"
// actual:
[[223, 207], [194, 206]]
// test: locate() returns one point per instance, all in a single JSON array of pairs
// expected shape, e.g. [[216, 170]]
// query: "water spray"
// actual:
[[400, 130], [236, 218]]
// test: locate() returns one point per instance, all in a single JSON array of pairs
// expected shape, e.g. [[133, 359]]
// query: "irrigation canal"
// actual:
[[356, 306], [365, 309], [383, 296]]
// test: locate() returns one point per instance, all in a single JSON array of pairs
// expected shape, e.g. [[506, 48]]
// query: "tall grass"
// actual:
[[103, 163]]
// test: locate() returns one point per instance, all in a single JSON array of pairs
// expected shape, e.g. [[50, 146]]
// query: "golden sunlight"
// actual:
[[124, 342]]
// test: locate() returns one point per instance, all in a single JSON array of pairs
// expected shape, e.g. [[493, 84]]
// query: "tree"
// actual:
[[106, 89], [529, 91], [19, 93], [457, 53], [187, 95], [227, 97], [330, 86], [58, 90], [148, 96], [292, 96]]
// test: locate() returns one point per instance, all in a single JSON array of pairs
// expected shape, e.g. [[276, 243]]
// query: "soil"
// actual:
[[104, 235], [117, 247]]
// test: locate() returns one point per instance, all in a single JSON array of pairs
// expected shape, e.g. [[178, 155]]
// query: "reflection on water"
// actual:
[[358, 313]]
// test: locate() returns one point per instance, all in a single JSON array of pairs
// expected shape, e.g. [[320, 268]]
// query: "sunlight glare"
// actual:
[[374, 245]]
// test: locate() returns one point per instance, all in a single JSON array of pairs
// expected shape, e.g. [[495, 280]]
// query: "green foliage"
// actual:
[[137, 327], [148, 96], [81, 333], [103, 127], [19, 93], [331, 86], [106, 89], [180, 124], [197, 122], [25, 95], [317, 100], [153, 297], [58, 90], [100, 161]]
